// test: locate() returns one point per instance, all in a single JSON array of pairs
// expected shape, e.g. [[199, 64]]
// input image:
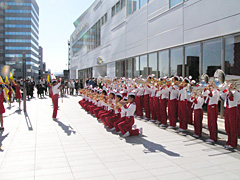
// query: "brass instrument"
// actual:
[[222, 81], [200, 87]]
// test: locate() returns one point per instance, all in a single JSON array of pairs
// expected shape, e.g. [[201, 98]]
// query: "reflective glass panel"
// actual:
[[129, 68], [135, 5], [176, 61], [120, 69], [153, 63], [143, 3], [113, 10], [232, 55], [123, 3], [118, 7], [129, 7], [175, 2], [143, 66], [211, 56], [192, 61], [136, 66], [163, 63]]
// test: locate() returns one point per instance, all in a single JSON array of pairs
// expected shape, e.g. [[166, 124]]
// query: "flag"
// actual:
[[5, 90], [6, 80], [11, 77], [48, 80]]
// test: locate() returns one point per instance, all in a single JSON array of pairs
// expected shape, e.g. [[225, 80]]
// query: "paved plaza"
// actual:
[[33, 146]]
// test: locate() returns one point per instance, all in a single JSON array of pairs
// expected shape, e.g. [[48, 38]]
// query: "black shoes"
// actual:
[[1, 128]]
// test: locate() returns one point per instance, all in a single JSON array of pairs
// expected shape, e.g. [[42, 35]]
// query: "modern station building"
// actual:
[[128, 38], [19, 31]]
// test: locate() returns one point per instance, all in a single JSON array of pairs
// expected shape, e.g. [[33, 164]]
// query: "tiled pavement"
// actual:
[[78, 147]]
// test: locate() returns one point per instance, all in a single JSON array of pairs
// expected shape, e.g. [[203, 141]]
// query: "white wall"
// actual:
[[156, 27]]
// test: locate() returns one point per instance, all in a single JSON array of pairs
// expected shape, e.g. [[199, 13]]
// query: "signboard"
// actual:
[[99, 61]]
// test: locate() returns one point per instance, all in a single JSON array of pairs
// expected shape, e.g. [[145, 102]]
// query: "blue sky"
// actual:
[[56, 26]]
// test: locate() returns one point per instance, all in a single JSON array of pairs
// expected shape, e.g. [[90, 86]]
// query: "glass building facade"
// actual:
[[19, 33]]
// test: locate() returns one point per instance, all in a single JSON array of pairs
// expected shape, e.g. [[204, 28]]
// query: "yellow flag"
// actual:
[[6, 80], [11, 77], [48, 80], [5, 90]]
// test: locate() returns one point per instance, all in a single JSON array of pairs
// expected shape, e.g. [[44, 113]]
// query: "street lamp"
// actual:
[[24, 82]]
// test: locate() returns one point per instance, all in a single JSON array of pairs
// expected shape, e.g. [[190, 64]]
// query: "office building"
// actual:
[[19, 33], [128, 38]]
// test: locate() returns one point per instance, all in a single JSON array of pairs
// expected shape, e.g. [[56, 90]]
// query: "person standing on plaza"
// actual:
[[76, 87], [81, 84], [212, 97], [231, 98], [2, 109], [55, 96], [198, 101], [18, 92]]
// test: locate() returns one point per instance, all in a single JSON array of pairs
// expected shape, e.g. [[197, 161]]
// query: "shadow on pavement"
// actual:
[[19, 111], [150, 147], [2, 139], [67, 129], [28, 122]]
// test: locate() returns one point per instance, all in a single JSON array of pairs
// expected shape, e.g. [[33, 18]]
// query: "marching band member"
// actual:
[[139, 101], [156, 104], [147, 91], [122, 115], [231, 99], [212, 95], [109, 111], [189, 105], [55, 90], [173, 103], [126, 126], [18, 92], [198, 102], [152, 108], [100, 105], [163, 104], [239, 118], [2, 109], [182, 105], [111, 119]]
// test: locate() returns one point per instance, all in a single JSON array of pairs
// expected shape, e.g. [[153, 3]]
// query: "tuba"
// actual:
[[222, 81], [219, 78]]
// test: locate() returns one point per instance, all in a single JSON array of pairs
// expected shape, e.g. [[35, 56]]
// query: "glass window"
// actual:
[[113, 10], [17, 4], [176, 61], [102, 21], [136, 66], [18, 18], [192, 61], [143, 66], [118, 7], [18, 11], [120, 69], [175, 2], [129, 68], [163, 65], [211, 56], [129, 7], [17, 26], [123, 3], [232, 55], [152, 58], [106, 18], [135, 5], [143, 3]]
